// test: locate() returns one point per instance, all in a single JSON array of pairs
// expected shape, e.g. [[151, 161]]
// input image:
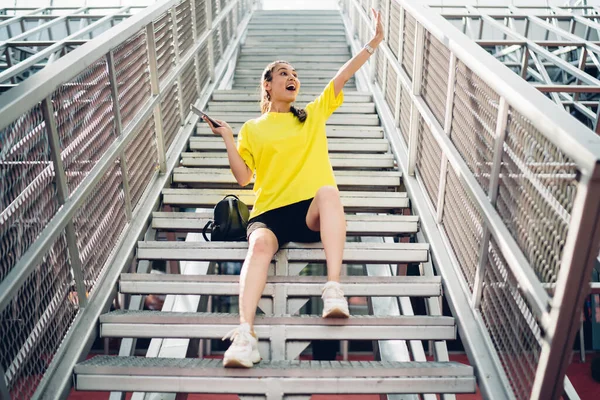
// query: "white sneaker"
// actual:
[[335, 304], [243, 352]]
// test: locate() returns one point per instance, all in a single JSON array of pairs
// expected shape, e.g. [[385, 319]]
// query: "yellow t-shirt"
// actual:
[[290, 158]]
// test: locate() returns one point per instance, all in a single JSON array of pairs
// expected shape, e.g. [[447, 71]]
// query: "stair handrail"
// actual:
[[105, 125], [568, 147]]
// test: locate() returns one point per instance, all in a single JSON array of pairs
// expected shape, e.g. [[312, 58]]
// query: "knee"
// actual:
[[327, 194], [262, 245]]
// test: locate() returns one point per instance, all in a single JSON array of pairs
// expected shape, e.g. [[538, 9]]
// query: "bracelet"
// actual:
[[369, 49]]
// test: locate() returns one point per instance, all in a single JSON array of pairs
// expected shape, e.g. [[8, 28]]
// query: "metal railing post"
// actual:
[[447, 128], [416, 89], [211, 49], [572, 286], [114, 89], [62, 191], [196, 56], [155, 90], [501, 123], [182, 112]]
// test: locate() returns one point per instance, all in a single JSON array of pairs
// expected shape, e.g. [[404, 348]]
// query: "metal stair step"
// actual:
[[353, 201], [382, 253], [332, 131], [315, 87], [304, 81], [357, 225], [300, 66], [283, 30], [224, 177], [335, 119], [291, 286], [293, 377], [303, 75], [312, 50], [159, 324], [345, 145], [338, 160], [306, 95], [293, 58]]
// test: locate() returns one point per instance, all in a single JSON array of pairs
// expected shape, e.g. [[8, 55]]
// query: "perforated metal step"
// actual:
[[291, 377]]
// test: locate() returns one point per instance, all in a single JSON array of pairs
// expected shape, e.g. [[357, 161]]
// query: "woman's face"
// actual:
[[285, 84]]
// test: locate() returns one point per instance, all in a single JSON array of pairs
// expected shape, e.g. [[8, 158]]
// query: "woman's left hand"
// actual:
[[378, 26]]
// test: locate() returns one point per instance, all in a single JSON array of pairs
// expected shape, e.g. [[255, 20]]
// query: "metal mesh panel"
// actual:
[[474, 123], [436, 63], [215, 8], [99, 223], [34, 323], [170, 115], [203, 67], [224, 33], [165, 52], [133, 78], [510, 324], [463, 224], [200, 9], [85, 120], [408, 44], [390, 92], [394, 32], [380, 61], [142, 160], [428, 160], [188, 82], [216, 47], [404, 113], [535, 196], [28, 195], [185, 37]]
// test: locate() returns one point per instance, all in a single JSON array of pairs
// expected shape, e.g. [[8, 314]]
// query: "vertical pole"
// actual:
[[112, 77], [579, 256], [210, 42], [416, 89], [62, 191], [447, 128], [501, 123], [174, 28], [155, 89]]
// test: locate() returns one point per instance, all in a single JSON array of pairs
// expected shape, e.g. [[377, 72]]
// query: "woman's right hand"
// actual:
[[224, 130]]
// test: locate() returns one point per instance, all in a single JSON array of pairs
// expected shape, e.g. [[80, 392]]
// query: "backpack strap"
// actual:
[[205, 229]]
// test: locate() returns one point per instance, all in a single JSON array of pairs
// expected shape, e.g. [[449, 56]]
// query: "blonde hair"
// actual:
[[265, 97]]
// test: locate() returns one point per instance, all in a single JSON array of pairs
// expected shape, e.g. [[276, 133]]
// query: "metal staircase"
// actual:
[[450, 165], [371, 190]]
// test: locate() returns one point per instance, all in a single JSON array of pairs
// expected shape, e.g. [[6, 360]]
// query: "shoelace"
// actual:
[[339, 293], [235, 333]]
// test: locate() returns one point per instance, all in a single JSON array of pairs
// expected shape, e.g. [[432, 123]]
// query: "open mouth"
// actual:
[[291, 87]]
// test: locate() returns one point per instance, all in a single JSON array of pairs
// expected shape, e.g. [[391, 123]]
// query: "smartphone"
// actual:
[[203, 114]]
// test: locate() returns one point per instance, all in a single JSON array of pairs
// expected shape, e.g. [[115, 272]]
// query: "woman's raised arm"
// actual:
[[354, 64]]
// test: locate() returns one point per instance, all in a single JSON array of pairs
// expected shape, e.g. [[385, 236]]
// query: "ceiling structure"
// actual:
[[32, 37], [556, 49]]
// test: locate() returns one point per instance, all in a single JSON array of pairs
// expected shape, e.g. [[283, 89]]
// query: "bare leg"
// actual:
[[326, 214], [253, 278]]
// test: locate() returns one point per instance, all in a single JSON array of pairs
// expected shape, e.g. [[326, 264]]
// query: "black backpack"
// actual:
[[230, 221]]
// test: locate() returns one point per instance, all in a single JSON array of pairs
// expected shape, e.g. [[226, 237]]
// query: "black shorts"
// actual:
[[288, 223]]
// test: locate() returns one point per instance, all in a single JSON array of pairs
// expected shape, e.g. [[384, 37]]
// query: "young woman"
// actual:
[[297, 199]]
